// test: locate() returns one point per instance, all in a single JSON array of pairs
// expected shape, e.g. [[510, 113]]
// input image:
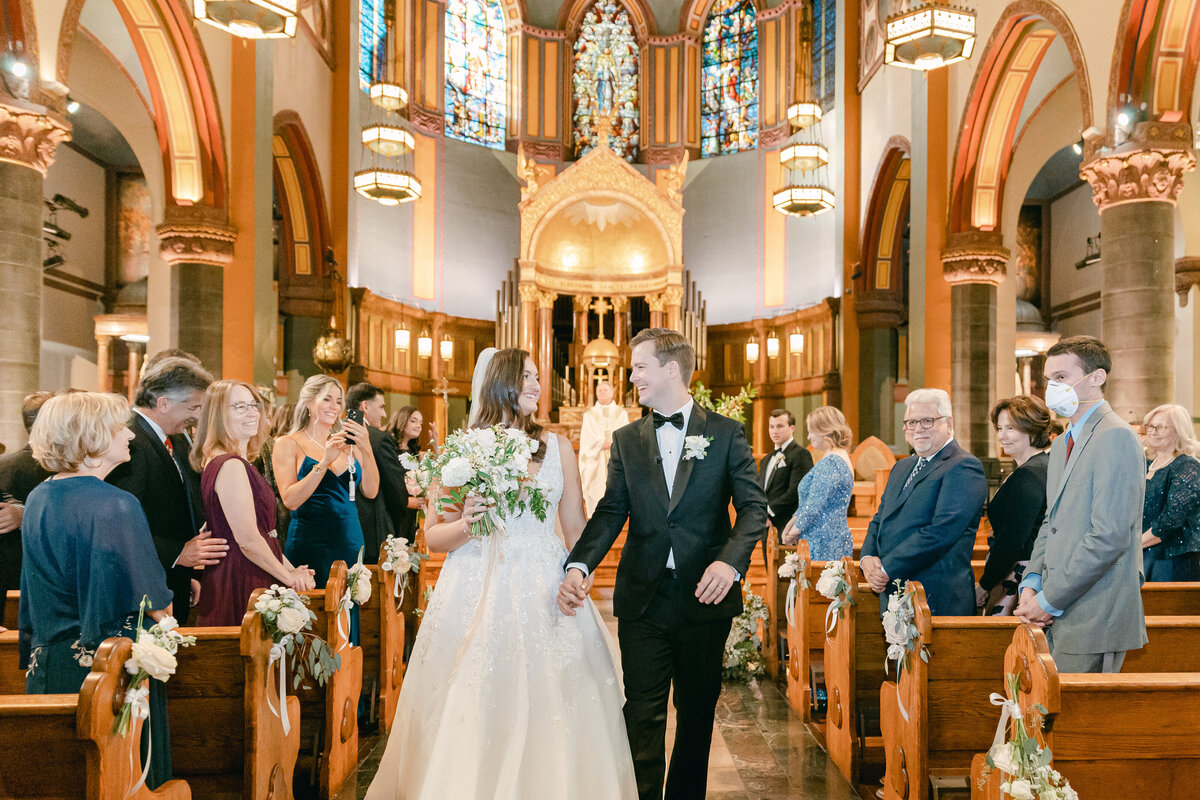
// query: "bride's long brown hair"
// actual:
[[499, 396]]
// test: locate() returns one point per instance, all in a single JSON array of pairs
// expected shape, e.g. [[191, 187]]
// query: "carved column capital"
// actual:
[[529, 292], [1187, 275], [545, 300], [620, 303], [196, 235], [975, 257], [29, 135], [581, 303], [1148, 167], [657, 302], [673, 295]]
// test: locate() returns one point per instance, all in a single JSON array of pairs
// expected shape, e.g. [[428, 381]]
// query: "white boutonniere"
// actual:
[[695, 447]]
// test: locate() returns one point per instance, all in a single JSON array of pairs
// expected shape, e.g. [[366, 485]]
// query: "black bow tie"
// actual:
[[675, 419]]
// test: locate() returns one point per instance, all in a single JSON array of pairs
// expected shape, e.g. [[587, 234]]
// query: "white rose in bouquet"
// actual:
[[895, 629], [456, 472], [895, 652], [1005, 759], [1020, 790], [292, 620], [168, 624], [827, 584], [402, 562], [274, 605], [147, 655], [362, 587]]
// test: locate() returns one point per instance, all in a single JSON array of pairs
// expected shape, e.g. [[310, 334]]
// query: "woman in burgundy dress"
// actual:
[[239, 504]]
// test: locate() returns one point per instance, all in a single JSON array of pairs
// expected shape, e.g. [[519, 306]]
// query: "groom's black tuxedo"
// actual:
[[666, 634]]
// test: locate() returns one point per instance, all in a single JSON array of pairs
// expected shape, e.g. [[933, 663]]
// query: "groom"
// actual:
[[672, 475]]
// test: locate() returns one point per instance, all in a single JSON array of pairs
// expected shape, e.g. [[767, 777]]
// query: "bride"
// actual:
[[505, 698]]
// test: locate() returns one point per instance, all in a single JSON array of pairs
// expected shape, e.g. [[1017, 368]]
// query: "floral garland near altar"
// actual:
[[743, 646], [732, 406]]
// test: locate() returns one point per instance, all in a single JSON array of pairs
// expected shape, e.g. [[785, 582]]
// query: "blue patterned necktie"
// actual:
[[921, 462]]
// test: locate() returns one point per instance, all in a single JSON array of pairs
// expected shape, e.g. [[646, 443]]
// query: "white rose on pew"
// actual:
[[402, 562], [168, 624], [895, 652], [1004, 757], [895, 629], [148, 656], [827, 584], [362, 586], [292, 620], [1020, 789], [456, 472]]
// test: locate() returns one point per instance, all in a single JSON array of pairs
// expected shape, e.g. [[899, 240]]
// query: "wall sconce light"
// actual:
[[403, 337], [772, 345], [751, 351], [446, 348], [796, 341], [424, 345]]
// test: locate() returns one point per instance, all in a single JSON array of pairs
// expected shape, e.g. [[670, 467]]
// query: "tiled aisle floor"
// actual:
[[761, 750]]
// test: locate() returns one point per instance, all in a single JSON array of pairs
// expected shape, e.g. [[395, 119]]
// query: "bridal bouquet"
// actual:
[[491, 463], [152, 656], [286, 616], [1024, 765]]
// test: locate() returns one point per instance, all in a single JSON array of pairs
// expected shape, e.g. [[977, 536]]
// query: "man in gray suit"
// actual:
[[1083, 583]]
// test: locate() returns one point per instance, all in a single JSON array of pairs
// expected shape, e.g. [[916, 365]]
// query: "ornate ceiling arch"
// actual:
[[304, 228], [694, 14], [879, 290], [570, 17], [1155, 58]]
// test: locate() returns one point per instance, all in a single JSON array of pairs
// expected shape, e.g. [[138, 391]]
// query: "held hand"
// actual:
[[573, 591], [1030, 611], [790, 535], [356, 433], [336, 446], [981, 596], [202, 550], [10, 516], [302, 579], [195, 595], [715, 583], [606, 446], [873, 572], [474, 508]]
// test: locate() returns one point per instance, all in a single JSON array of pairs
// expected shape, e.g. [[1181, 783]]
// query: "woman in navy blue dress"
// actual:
[[824, 493], [1171, 515], [319, 467]]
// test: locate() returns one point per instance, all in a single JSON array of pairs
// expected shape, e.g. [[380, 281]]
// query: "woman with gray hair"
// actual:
[[1171, 514]]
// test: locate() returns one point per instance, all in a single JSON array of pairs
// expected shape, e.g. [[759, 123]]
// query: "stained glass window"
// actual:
[[729, 85], [824, 50], [606, 79], [372, 42], [476, 68]]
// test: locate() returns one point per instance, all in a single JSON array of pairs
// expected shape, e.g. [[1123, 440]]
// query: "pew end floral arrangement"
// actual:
[[287, 619], [795, 572], [743, 656], [152, 656], [402, 559], [900, 631], [1025, 768], [834, 585], [491, 463]]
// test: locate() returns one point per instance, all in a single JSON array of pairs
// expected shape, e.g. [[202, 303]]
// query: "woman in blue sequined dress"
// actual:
[[824, 493]]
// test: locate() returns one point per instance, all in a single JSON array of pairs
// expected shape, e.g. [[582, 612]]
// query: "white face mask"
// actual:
[[1061, 398]]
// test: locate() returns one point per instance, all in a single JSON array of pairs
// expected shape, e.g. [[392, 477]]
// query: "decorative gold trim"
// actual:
[[196, 235], [975, 257], [1147, 168], [29, 136]]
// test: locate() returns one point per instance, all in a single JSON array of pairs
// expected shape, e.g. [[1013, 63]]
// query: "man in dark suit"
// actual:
[[672, 475], [380, 516], [19, 474], [781, 470], [925, 527], [167, 402]]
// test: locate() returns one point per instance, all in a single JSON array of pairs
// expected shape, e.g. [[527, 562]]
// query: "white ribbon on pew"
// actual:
[[789, 603], [139, 704], [899, 664], [279, 654], [831, 617], [1009, 710], [343, 609]]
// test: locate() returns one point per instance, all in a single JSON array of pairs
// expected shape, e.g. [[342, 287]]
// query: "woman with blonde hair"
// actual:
[[89, 559], [1171, 514], [318, 473], [824, 493], [239, 505]]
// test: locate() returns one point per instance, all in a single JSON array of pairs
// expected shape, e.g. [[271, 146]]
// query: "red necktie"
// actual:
[[1070, 446], [171, 447]]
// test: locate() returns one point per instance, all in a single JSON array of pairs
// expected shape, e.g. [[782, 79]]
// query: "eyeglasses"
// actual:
[[1157, 428], [241, 409], [924, 424]]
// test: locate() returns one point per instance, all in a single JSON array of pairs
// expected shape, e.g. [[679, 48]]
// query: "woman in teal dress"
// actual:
[[319, 467], [824, 493], [88, 556]]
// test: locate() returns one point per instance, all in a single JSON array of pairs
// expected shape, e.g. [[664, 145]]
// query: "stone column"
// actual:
[[1135, 186], [197, 244], [29, 135], [581, 304], [974, 263], [104, 363], [529, 295], [673, 297], [657, 303], [134, 369], [545, 351], [620, 305]]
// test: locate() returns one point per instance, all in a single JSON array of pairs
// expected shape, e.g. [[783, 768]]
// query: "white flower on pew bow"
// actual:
[[492, 463], [1025, 766], [795, 572], [743, 655], [358, 592], [403, 559], [287, 618], [900, 631], [834, 585]]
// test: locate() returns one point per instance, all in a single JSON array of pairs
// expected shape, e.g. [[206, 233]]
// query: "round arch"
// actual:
[[189, 132], [694, 14], [1155, 58], [880, 299], [570, 18], [304, 228], [1010, 63]]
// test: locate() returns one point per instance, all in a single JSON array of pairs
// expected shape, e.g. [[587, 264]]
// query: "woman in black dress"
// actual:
[[405, 427], [1024, 426], [1171, 515]]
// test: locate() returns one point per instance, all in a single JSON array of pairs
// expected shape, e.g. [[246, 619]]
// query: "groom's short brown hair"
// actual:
[[670, 345]]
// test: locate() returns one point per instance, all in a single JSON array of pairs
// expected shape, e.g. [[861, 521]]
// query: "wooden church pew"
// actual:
[[62, 746], [775, 595], [382, 641], [12, 677], [805, 637], [12, 599], [225, 739], [335, 706], [1171, 599], [1128, 735]]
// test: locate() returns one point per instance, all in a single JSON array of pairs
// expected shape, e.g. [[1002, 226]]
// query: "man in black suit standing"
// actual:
[[672, 475], [925, 527], [781, 470], [167, 402], [380, 515], [19, 474]]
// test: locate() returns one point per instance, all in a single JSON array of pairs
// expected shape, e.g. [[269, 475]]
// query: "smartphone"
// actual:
[[355, 414]]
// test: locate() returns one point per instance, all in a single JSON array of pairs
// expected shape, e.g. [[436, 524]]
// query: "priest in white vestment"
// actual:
[[595, 438]]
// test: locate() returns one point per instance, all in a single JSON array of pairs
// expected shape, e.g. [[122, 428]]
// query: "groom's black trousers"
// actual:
[[657, 647]]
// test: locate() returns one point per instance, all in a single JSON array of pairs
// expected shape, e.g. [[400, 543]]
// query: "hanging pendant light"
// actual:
[[796, 341], [249, 19], [387, 186], [403, 337], [446, 348], [388, 96], [772, 345], [387, 140], [751, 350], [424, 345], [804, 157], [928, 35], [803, 115]]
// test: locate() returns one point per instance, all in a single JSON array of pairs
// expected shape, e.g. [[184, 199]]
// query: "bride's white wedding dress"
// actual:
[[505, 698]]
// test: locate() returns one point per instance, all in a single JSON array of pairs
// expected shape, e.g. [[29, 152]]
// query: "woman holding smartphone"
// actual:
[[319, 467]]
